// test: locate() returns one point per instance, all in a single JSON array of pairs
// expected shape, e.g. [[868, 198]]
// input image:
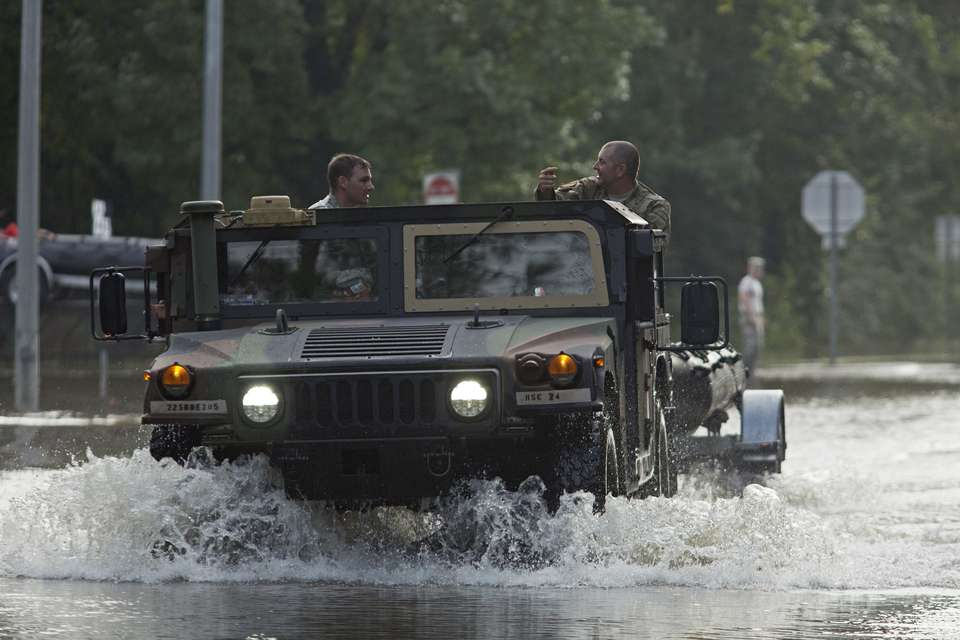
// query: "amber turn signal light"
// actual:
[[562, 369], [176, 380]]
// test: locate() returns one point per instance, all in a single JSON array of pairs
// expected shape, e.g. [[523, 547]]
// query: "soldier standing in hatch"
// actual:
[[351, 183], [617, 167]]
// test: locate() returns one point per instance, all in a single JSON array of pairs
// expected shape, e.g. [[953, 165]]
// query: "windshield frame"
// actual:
[[303, 309], [599, 297]]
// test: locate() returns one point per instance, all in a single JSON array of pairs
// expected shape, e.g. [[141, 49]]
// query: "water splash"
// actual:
[[133, 519], [138, 520]]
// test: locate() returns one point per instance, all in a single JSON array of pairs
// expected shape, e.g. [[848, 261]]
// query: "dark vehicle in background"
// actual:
[[64, 262], [382, 357]]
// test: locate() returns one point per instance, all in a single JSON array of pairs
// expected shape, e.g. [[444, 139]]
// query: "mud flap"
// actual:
[[763, 432]]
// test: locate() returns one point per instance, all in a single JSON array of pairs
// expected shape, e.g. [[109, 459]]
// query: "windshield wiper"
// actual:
[[506, 212], [253, 258]]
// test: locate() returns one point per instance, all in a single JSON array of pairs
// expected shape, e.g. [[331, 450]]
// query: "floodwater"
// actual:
[[859, 538]]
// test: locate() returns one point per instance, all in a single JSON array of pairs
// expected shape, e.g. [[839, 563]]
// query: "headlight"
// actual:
[[176, 381], [260, 404], [530, 368], [469, 398], [562, 369]]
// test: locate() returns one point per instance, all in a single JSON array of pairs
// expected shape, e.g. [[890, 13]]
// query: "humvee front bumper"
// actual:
[[396, 471], [389, 436]]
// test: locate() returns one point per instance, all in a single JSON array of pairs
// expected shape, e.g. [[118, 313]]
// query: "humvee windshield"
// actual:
[[298, 271], [521, 264]]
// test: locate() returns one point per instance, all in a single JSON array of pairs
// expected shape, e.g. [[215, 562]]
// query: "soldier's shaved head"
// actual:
[[616, 174], [623, 152]]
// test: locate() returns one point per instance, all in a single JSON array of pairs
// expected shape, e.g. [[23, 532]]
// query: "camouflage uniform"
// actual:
[[641, 200], [329, 202]]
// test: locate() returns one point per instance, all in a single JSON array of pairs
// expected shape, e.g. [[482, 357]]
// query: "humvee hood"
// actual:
[[522, 334], [203, 349], [448, 338], [570, 334]]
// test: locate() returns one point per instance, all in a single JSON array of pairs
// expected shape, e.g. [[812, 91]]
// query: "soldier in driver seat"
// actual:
[[353, 285]]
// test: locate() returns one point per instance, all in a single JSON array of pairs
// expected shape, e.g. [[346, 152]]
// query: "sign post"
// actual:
[[442, 187], [947, 237], [833, 204]]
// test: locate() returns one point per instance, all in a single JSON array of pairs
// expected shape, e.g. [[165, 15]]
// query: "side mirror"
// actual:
[[699, 314], [113, 304]]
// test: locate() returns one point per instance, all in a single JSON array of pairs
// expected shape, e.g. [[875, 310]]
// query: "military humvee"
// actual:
[[380, 355]]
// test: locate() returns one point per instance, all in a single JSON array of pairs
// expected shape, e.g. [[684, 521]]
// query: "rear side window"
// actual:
[[504, 264], [524, 264]]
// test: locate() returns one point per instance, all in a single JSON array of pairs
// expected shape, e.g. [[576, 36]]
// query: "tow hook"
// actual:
[[439, 462]]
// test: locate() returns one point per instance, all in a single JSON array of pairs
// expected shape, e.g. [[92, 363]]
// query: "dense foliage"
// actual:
[[735, 105]]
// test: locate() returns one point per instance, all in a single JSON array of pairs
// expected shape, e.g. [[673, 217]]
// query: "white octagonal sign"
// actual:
[[837, 187], [442, 187]]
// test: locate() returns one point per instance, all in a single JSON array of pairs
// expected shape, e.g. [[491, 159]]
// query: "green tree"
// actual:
[[496, 88], [122, 107], [734, 104]]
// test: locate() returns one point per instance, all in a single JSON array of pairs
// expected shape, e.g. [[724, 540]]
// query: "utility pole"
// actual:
[[26, 371], [212, 101]]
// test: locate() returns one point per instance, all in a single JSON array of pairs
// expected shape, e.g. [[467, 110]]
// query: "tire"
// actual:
[[663, 482], [173, 441], [8, 285], [764, 410], [588, 459], [766, 468]]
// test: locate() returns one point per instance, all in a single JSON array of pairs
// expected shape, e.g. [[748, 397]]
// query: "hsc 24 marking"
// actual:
[[553, 396]]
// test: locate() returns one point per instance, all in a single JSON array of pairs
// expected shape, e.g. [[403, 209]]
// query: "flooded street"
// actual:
[[859, 538], [269, 265]]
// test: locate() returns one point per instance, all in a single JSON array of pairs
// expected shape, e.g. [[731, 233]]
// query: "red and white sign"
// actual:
[[442, 187]]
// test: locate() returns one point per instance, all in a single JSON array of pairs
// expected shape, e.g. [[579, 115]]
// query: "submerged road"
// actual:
[[859, 538]]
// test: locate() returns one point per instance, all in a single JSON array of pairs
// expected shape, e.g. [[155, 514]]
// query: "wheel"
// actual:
[[663, 482], [763, 423], [8, 285], [588, 459], [173, 441], [768, 468]]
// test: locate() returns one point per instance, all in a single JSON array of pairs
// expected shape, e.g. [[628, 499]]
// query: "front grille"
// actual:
[[352, 342], [376, 404], [365, 403]]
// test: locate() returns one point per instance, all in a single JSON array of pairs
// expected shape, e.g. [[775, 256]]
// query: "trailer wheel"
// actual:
[[174, 441], [763, 432], [587, 458]]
